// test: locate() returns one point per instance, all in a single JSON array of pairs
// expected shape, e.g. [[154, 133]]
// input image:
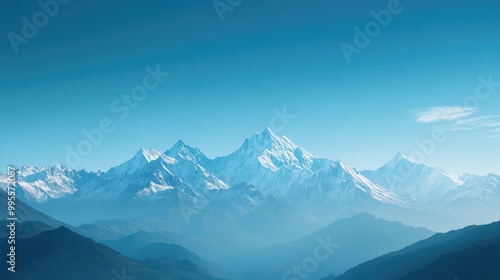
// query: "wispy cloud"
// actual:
[[471, 123], [437, 114], [454, 118]]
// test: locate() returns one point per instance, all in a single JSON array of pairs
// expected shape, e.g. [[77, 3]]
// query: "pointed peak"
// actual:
[[140, 159], [179, 143], [148, 154], [182, 150], [341, 166], [178, 147], [399, 157], [273, 152], [266, 135], [267, 139], [267, 131]]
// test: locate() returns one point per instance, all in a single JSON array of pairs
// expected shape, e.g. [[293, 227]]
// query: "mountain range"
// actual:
[[177, 184]]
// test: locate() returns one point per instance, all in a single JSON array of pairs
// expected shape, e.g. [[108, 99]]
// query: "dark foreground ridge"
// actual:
[[470, 253], [63, 254]]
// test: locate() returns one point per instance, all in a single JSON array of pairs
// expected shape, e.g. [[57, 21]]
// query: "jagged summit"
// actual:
[[148, 154], [273, 152], [178, 146], [267, 139], [273, 164], [419, 181], [402, 158], [182, 151], [29, 169], [139, 160]]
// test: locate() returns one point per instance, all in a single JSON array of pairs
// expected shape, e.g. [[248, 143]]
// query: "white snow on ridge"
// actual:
[[273, 164], [40, 184], [409, 178], [153, 189], [376, 191], [140, 159]]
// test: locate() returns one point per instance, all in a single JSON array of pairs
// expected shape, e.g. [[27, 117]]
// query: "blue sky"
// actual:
[[228, 78]]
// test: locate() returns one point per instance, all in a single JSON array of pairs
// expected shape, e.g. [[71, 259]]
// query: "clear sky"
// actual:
[[229, 78]]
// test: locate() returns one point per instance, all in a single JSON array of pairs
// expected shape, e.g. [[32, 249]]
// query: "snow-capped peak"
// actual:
[[43, 183], [407, 177], [273, 152], [267, 139], [149, 155], [140, 159], [29, 170], [260, 141], [182, 151], [400, 157]]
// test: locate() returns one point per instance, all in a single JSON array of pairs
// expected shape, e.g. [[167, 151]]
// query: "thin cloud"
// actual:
[[492, 122], [438, 114], [453, 118]]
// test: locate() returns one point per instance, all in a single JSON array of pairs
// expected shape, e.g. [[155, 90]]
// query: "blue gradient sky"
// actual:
[[226, 77]]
